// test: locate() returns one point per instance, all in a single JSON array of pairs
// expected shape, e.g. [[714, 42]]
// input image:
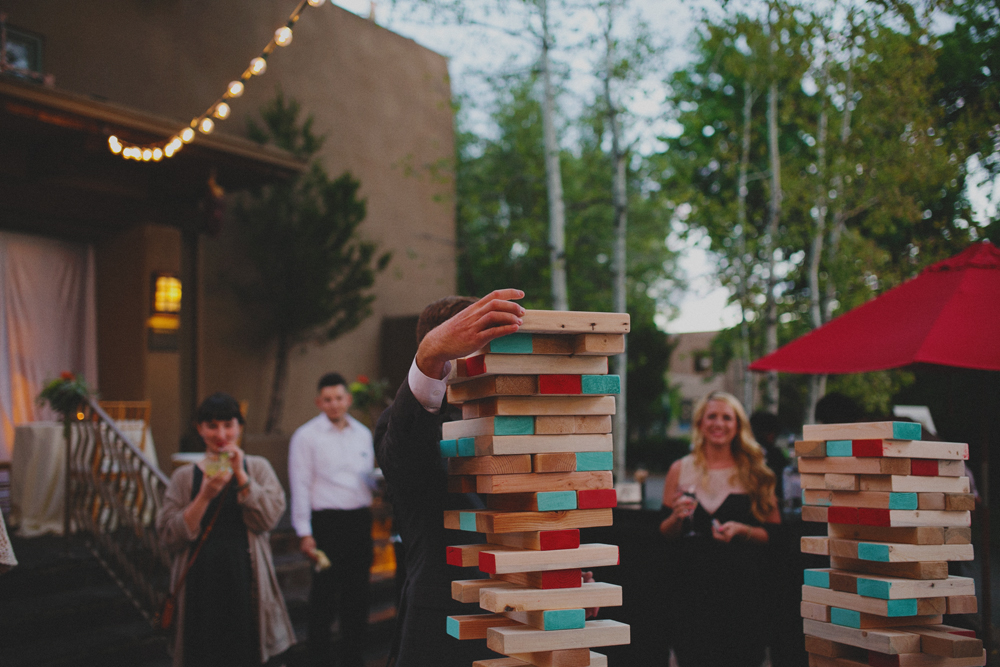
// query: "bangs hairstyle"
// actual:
[[748, 455], [218, 407]]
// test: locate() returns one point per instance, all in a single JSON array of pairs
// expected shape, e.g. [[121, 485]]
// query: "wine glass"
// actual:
[[689, 530]]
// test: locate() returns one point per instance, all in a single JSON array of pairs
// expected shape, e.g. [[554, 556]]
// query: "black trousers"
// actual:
[[342, 590]]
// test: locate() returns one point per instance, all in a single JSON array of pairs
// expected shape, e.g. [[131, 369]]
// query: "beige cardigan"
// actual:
[[263, 506]]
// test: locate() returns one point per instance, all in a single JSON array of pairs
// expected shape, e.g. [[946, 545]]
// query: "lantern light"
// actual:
[[283, 36], [316, 3], [235, 88], [187, 134], [206, 125], [258, 66], [221, 111], [147, 155], [157, 155]]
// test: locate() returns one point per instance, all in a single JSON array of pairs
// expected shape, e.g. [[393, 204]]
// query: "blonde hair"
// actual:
[[748, 455]]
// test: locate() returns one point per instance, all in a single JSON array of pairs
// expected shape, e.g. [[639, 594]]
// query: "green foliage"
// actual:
[[64, 394]]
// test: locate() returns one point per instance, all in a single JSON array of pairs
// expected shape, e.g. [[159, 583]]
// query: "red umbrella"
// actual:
[[947, 315]]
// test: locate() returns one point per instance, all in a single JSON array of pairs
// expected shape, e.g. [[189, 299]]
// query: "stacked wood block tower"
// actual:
[[535, 440], [897, 510]]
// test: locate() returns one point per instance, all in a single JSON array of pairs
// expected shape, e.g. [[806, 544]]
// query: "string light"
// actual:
[[219, 109]]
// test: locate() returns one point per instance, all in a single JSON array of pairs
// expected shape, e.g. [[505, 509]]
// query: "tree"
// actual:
[[309, 273]]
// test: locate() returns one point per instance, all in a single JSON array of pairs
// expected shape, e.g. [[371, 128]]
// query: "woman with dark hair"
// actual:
[[229, 608], [719, 504]]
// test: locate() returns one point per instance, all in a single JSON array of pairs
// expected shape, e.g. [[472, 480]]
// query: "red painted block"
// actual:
[[592, 499], [869, 516], [962, 633], [842, 515], [487, 562], [549, 540], [562, 579], [876, 659], [862, 448], [559, 384], [924, 467], [454, 556], [475, 365]]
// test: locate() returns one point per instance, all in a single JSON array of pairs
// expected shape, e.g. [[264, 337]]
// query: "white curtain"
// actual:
[[48, 324]]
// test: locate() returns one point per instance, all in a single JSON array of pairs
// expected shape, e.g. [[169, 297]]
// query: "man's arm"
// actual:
[[299, 484]]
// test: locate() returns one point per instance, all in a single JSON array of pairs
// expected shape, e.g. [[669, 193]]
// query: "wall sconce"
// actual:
[[166, 303]]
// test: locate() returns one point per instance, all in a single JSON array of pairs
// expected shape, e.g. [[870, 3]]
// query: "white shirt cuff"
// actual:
[[428, 391]]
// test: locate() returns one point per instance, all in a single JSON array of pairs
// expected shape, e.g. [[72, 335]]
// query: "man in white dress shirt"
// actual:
[[330, 461]]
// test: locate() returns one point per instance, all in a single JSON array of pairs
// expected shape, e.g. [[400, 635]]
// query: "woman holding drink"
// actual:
[[214, 521], [719, 504]]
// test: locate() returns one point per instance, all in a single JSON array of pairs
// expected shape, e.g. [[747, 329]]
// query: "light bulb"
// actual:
[[258, 66], [283, 36], [221, 111], [157, 155], [114, 144], [235, 88], [206, 125], [147, 155], [187, 134], [316, 3], [128, 152], [169, 150]]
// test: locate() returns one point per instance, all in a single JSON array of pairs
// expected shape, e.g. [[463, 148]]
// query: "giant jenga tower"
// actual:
[[897, 509], [535, 439]]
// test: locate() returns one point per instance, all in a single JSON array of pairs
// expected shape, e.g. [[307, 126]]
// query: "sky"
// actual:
[[473, 51]]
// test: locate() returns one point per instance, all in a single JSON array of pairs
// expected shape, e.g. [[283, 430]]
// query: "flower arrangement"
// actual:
[[65, 394], [369, 395]]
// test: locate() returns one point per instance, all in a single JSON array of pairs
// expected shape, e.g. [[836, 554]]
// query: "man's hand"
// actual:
[[307, 545], [492, 316]]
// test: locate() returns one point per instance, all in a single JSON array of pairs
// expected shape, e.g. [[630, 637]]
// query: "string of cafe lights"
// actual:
[[219, 109]]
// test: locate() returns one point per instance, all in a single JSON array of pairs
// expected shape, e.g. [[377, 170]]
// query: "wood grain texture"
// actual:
[[851, 465], [562, 425], [525, 364], [492, 385], [529, 599], [488, 521], [560, 481], [585, 556], [523, 406], [467, 590], [918, 570], [892, 642], [569, 321], [487, 445], [875, 606], [548, 580], [558, 462], [913, 484], [862, 431], [489, 465], [913, 449], [539, 540], [474, 626], [917, 535], [523, 640]]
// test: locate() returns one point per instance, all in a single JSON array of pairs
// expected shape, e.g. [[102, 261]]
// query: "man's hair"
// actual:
[[218, 407], [762, 423], [836, 408], [331, 380], [440, 312]]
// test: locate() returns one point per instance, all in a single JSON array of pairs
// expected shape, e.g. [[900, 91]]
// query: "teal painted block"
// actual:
[[902, 501], [452, 627], [872, 588], [466, 446], [876, 552], [516, 343], [514, 426], [816, 578], [903, 607], [845, 617], [564, 619], [586, 461], [906, 431], [822, 502], [449, 448], [600, 384], [553, 501], [839, 448], [467, 521]]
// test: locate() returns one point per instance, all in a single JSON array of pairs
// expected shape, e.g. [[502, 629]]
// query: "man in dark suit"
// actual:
[[407, 440]]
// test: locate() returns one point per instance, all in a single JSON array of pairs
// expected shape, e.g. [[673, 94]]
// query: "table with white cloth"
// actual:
[[38, 475]]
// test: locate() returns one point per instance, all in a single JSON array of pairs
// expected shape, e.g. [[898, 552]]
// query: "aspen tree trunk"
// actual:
[[741, 217], [839, 214], [817, 383], [553, 175], [774, 217]]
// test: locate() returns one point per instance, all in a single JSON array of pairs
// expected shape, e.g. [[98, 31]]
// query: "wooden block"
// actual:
[[526, 364], [922, 660], [595, 594], [851, 465], [504, 425], [911, 483], [840, 482], [492, 385], [818, 577], [943, 641], [489, 465], [810, 448], [584, 556], [823, 661], [575, 657], [876, 499], [593, 461], [489, 521], [551, 619], [569, 321], [474, 626], [514, 640], [958, 535], [592, 385], [842, 515], [557, 481], [541, 540], [520, 406], [839, 448], [468, 590], [561, 425], [541, 501], [500, 662], [604, 345], [912, 535], [467, 555], [894, 588], [887, 552], [556, 462], [960, 502], [815, 545], [919, 570], [884, 641], [894, 608], [962, 604], [461, 484], [559, 384], [912, 449], [863, 431], [544, 580], [813, 513], [515, 343], [849, 618], [831, 649], [487, 445], [812, 481], [596, 498], [935, 468], [868, 516], [929, 501], [816, 612]]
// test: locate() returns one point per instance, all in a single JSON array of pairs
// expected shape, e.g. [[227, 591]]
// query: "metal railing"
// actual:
[[113, 495]]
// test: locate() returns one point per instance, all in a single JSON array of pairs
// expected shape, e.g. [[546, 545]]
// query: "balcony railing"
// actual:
[[113, 494]]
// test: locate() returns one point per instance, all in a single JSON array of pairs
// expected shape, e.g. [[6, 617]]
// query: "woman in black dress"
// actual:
[[230, 611], [719, 502]]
